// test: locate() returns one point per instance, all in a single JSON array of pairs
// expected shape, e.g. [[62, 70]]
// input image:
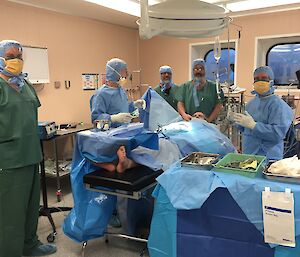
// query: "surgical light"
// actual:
[[189, 18]]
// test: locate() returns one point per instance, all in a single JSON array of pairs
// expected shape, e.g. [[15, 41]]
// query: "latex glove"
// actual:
[[230, 115], [121, 117], [245, 120], [141, 103], [199, 115]]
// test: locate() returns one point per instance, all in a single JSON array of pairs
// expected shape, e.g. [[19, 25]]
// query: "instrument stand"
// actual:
[[45, 210]]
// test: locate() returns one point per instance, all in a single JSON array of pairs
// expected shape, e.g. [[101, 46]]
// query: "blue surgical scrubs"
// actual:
[[273, 118], [108, 101]]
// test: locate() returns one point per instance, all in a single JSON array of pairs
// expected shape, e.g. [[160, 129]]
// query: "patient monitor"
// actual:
[[188, 18]]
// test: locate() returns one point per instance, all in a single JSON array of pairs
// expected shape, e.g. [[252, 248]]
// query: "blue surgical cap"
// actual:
[[198, 62], [164, 69], [4, 46], [113, 68], [264, 69]]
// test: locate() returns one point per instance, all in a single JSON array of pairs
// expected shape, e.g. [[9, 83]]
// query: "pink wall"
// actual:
[[78, 45], [175, 52], [75, 46]]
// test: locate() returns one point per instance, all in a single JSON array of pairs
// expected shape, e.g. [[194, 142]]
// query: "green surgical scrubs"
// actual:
[[207, 98], [20, 154], [170, 97]]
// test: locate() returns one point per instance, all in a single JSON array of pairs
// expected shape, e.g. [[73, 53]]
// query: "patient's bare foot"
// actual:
[[107, 166], [124, 162]]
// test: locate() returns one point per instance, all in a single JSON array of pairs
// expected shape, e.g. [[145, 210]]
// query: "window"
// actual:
[[211, 65], [284, 59]]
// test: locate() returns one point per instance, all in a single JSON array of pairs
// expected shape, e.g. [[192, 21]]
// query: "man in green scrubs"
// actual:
[[198, 98], [20, 155], [166, 88]]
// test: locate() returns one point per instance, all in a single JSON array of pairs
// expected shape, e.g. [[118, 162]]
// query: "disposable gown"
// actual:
[[273, 118], [107, 101]]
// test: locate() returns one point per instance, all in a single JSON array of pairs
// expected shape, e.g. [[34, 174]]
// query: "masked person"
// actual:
[[198, 98], [110, 102], [267, 118], [20, 155], [166, 88]]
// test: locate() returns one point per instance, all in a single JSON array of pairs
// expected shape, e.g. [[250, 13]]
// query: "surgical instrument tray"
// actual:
[[200, 160], [222, 165], [279, 177]]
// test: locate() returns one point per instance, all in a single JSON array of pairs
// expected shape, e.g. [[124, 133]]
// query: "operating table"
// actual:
[[130, 184]]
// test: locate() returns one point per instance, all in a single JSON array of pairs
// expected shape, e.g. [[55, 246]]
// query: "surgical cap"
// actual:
[[6, 44], [264, 69], [164, 69], [199, 62], [113, 67]]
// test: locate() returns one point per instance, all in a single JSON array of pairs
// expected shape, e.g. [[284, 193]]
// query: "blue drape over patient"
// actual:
[[92, 210]]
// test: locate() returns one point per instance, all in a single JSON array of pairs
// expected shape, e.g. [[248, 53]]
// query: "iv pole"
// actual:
[[217, 55]]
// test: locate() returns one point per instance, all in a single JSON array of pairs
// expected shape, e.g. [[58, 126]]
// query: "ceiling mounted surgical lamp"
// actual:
[[178, 18]]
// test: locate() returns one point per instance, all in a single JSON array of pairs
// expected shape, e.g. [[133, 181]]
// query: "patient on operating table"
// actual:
[[123, 163]]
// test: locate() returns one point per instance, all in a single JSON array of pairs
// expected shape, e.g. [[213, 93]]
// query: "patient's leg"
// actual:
[[124, 162], [106, 165]]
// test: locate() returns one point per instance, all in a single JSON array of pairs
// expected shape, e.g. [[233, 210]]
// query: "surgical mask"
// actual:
[[165, 87], [261, 87], [199, 79], [165, 81], [198, 82], [13, 66], [122, 81]]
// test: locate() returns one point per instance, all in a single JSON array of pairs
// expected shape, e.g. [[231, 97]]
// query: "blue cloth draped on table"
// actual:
[[92, 210], [190, 198]]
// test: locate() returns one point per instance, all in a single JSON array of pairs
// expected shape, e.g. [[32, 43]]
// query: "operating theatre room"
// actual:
[[150, 128]]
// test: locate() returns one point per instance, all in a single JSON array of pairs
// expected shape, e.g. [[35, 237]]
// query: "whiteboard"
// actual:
[[36, 64]]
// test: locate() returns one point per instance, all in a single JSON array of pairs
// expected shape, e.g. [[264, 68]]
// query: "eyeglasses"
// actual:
[[10, 57], [199, 69], [267, 79]]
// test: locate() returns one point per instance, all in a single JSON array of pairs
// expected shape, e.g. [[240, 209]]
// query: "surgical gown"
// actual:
[[273, 118], [108, 101]]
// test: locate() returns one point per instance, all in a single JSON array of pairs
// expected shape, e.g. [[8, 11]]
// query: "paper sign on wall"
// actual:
[[90, 81], [278, 215]]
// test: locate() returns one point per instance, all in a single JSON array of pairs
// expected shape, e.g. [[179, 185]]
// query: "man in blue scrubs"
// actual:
[[110, 102]]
